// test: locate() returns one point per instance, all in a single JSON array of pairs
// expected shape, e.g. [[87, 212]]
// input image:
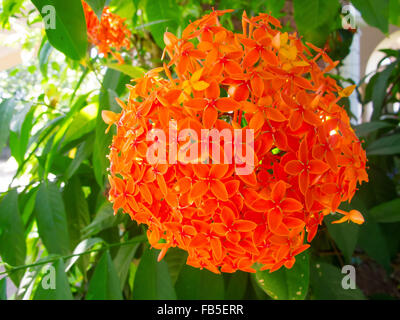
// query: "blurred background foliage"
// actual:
[[55, 209]]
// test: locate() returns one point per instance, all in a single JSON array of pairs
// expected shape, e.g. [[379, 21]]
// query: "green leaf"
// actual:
[[26, 203], [287, 284], [97, 6], [237, 285], [175, 259], [372, 240], [365, 129], [82, 153], [375, 13], [344, 234], [19, 140], [51, 219], [81, 123], [76, 208], [152, 280], [12, 238], [104, 219], [61, 289], [65, 26], [394, 12], [385, 146], [3, 288], [113, 85], [69, 130], [275, 7], [9, 8], [311, 14], [196, 284], [122, 261], [326, 283], [6, 112], [380, 90], [44, 54], [386, 212], [104, 284], [132, 71], [82, 247], [162, 10]]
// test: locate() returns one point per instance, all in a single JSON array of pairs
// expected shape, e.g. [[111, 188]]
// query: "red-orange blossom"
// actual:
[[308, 159]]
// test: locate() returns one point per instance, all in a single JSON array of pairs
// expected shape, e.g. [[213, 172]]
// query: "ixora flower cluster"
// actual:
[[108, 33], [307, 159]]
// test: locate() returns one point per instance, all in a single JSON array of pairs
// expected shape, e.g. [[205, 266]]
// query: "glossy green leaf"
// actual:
[[6, 111], [152, 280], [12, 238], [326, 283], [196, 284], [386, 212], [375, 13], [287, 284], [104, 284], [54, 284], [51, 219], [65, 26]]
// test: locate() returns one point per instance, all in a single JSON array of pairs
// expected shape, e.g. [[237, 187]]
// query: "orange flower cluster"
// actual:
[[307, 158], [108, 33]]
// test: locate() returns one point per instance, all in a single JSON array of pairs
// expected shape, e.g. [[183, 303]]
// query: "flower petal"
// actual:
[[219, 190], [291, 205], [293, 167]]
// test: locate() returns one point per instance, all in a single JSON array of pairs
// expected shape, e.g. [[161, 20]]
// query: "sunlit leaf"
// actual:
[[65, 26]]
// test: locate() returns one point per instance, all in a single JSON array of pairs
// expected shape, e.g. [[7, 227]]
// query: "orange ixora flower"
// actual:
[[306, 159], [108, 33]]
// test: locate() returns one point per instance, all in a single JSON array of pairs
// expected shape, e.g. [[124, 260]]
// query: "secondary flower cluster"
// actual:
[[307, 158], [108, 33]]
